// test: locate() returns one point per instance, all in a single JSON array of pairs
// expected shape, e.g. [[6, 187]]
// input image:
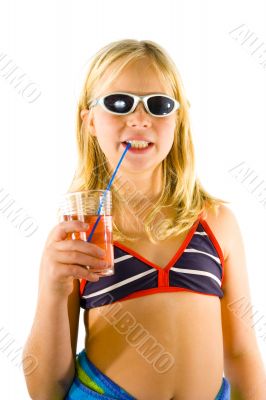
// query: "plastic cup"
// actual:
[[84, 206]]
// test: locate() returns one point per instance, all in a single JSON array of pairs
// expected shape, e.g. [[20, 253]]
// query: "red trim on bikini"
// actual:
[[82, 286]]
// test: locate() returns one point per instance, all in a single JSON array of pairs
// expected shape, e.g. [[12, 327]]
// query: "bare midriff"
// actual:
[[185, 328]]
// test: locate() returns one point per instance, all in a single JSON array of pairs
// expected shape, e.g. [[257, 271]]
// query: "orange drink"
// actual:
[[86, 207]]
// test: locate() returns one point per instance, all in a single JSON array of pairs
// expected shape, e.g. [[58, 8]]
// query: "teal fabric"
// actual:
[[91, 383]]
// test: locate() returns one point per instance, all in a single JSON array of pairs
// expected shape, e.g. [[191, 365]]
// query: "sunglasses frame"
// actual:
[[137, 99]]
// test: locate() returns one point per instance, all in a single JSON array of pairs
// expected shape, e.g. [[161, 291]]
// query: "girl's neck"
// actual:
[[131, 220], [140, 187]]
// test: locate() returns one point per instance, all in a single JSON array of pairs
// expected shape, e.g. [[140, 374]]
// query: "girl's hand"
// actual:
[[64, 260]]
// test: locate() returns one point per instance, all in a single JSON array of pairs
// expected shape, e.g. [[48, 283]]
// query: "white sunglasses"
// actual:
[[122, 103]]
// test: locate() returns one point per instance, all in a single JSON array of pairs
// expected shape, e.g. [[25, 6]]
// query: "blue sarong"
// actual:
[[91, 383]]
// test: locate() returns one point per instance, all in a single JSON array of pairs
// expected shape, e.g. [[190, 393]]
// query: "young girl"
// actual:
[[165, 325]]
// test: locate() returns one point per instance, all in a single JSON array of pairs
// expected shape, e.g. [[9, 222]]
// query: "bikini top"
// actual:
[[197, 266]]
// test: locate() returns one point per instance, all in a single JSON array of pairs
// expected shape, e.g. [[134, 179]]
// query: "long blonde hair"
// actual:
[[182, 190]]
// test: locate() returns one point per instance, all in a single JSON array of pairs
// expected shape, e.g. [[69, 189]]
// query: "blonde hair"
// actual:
[[182, 190]]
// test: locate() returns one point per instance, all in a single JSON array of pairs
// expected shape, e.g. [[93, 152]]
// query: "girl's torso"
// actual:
[[185, 326]]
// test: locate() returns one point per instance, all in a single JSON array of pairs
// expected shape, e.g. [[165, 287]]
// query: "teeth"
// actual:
[[138, 143]]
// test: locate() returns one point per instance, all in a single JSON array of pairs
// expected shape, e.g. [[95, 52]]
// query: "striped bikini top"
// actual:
[[197, 266]]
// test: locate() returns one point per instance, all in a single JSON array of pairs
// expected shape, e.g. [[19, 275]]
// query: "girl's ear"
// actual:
[[83, 114], [87, 119]]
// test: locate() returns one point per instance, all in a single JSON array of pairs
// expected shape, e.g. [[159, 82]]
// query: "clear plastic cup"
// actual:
[[84, 206]]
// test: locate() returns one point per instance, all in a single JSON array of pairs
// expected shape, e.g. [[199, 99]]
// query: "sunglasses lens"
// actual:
[[160, 105], [119, 103]]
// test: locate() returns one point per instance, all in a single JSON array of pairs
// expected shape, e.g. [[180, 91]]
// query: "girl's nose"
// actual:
[[139, 117]]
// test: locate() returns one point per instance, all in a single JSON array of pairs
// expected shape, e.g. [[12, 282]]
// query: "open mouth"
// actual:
[[137, 144]]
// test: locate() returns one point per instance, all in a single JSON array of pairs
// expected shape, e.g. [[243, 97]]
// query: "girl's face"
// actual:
[[111, 130]]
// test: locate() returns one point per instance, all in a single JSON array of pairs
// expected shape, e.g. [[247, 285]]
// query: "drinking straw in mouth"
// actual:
[[105, 192]]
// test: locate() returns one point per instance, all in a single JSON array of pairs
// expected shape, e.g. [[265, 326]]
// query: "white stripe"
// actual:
[[200, 233], [122, 283], [122, 258], [203, 252], [197, 272]]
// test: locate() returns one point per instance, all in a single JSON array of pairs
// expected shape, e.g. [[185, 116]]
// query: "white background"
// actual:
[[52, 42]]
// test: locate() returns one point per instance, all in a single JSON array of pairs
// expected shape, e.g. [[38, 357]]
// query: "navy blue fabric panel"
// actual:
[[125, 269], [146, 282], [199, 261], [203, 241], [197, 283], [200, 228]]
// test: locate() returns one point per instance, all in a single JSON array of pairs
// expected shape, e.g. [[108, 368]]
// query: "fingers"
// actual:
[[78, 272], [62, 273], [93, 277], [74, 257], [81, 246], [60, 232]]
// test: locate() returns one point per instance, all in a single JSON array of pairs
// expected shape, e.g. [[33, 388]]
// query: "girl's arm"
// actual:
[[243, 363], [52, 342], [53, 337]]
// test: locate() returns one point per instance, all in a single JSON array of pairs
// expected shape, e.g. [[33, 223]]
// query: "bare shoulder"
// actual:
[[224, 226]]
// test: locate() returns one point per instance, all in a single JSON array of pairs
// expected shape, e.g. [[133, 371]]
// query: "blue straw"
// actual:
[[108, 187]]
